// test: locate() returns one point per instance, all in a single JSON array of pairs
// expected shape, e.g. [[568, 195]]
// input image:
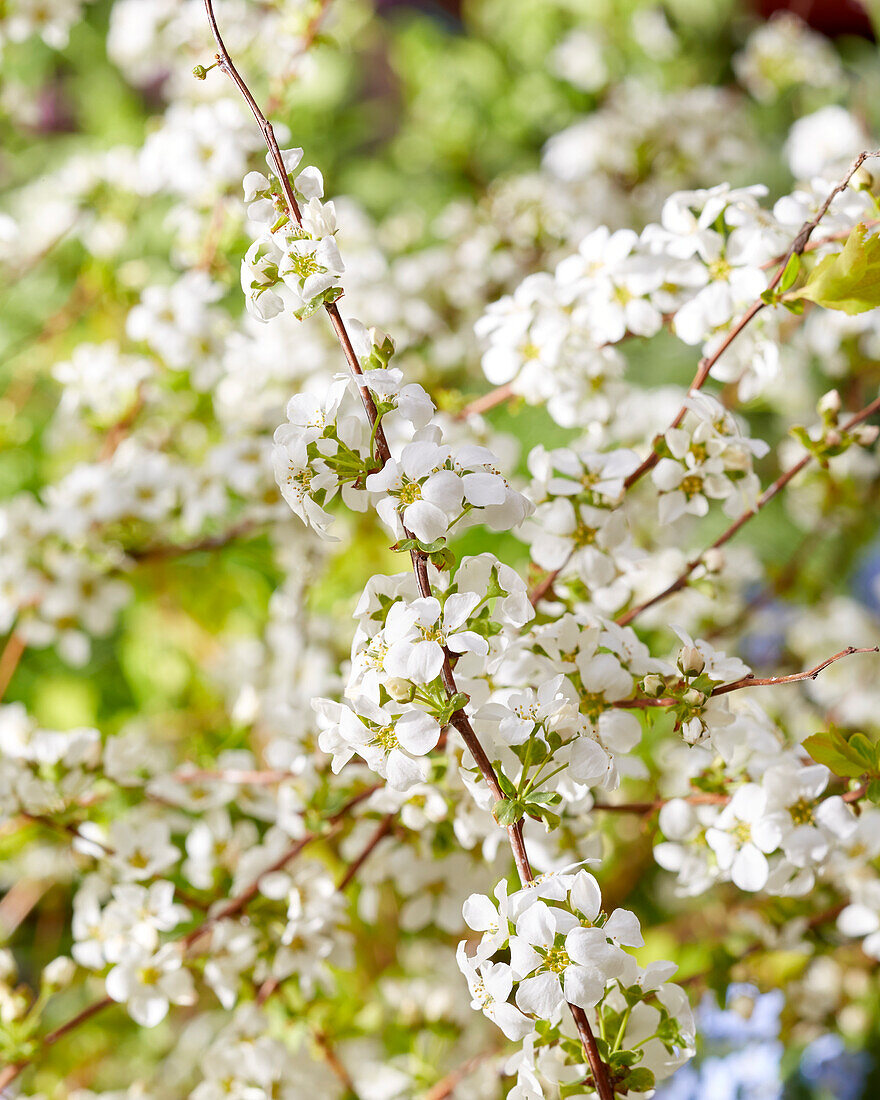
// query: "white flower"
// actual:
[[309, 267], [556, 961], [427, 494], [742, 837], [417, 632], [490, 985], [148, 983], [823, 140], [391, 743]]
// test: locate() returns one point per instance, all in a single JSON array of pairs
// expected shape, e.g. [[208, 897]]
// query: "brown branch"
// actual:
[[544, 586], [459, 719], [769, 493], [163, 551], [810, 674], [798, 246], [486, 401], [378, 836], [232, 907], [332, 1059], [9, 659], [446, 1086], [9, 1073], [840, 235], [750, 680]]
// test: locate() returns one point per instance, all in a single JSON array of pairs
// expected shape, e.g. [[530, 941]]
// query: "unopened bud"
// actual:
[[829, 405], [714, 559], [653, 685], [13, 1006], [59, 973], [380, 338], [200, 72], [691, 661], [694, 698], [861, 179], [833, 438], [866, 434], [400, 690]]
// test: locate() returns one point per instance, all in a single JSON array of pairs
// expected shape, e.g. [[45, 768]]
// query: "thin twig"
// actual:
[[459, 720], [9, 1073], [378, 836], [9, 659], [445, 1087], [810, 674], [332, 1059], [486, 401], [764, 499], [798, 246]]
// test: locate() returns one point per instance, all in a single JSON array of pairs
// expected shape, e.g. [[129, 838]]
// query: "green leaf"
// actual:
[[865, 750], [545, 798], [507, 811], [503, 782], [640, 1080], [832, 750], [848, 281], [873, 791], [791, 272]]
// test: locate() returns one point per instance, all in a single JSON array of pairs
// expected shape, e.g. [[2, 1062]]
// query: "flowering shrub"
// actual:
[[336, 652]]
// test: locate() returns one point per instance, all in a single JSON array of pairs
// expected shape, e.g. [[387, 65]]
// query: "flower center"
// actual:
[[386, 737], [556, 960], [410, 492], [743, 831], [720, 269], [584, 535], [691, 485], [801, 812], [304, 265]]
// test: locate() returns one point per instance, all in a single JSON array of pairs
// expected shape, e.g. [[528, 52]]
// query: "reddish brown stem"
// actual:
[[9, 659], [798, 246], [385, 827], [810, 674], [459, 719], [769, 493]]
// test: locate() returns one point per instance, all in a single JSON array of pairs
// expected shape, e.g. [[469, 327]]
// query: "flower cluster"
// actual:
[[280, 707], [563, 949]]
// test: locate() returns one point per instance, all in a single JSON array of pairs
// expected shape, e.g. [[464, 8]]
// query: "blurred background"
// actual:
[[466, 143]]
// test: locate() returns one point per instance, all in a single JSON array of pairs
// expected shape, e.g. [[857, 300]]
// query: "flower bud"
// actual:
[[714, 559], [200, 72], [400, 690], [694, 698], [861, 179], [866, 434], [691, 661], [833, 438], [693, 731], [829, 405], [59, 973], [653, 685], [13, 1006]]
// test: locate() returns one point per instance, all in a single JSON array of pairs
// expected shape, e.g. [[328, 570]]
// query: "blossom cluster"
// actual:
[[300, 662]]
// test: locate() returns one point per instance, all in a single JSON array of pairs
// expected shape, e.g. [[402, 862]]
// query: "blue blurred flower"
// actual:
[[725, 1025], [826, 1064], [865, 583], [740, 1053]]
